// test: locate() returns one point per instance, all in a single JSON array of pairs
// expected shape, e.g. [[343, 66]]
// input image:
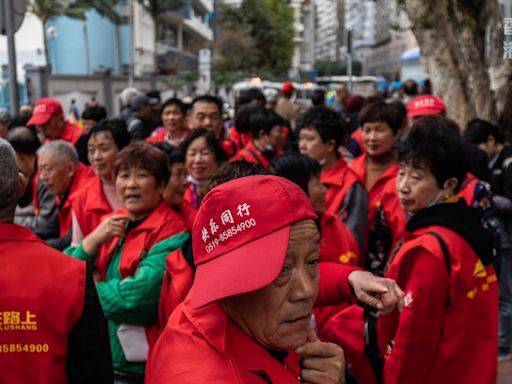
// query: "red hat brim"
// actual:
[[39, 119], [245, 269]]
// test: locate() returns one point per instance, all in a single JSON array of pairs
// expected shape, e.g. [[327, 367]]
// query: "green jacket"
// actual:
[[134, 299]]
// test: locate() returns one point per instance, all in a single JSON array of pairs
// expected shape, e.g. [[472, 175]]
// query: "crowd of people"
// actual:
[[360, 242]]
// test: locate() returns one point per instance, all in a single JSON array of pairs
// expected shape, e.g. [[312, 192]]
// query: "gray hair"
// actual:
[[60, 150], [9, 187], [5, 116], [127, 95]]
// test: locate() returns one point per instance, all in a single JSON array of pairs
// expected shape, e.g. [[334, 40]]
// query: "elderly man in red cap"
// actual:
[[248, 316], [48, 117], [286, 108]]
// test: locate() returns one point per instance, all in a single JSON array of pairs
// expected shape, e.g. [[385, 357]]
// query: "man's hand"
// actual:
[[321, 363], [378, 292]]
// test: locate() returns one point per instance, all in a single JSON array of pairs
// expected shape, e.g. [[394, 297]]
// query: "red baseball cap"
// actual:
[[424, 105], [240, 235], [287, 87], [44, 109]]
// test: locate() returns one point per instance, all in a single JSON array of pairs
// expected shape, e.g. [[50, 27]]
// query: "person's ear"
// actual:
[[71, 168], [450, 185], [331, 146], [491, 140]]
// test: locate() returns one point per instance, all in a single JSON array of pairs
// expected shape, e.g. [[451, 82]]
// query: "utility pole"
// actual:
[[8, 11], [349, 59]]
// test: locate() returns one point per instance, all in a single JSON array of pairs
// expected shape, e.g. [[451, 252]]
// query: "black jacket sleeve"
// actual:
[[89, 358]]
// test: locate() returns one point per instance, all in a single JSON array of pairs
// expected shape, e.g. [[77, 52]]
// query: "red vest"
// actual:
[[71, 134], [374, 194], [41, 300], [178, 279], [357, 135], [252, 155], [240, 139], [161, 224], [81, 180], [187, 214], [89, 205], [205, 346], [337, 244], [158, 138], [465, 349], [338, 180]]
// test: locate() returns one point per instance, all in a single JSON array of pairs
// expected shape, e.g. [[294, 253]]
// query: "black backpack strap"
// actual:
[[371, 346], [444, 248], [186, 250]]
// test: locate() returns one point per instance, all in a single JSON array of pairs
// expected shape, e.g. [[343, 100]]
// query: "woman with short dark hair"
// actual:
[[91, 203], [128, 251], [202, 155]]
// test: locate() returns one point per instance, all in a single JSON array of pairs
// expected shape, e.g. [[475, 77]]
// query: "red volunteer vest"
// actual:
[[158, 138], [466, 346], [252, 155], [41, 300], [357, 135], [338, 245], [161, 224], [205, 346], [338, 180], [82, 178], [89, 205], [374, 194], [71, 134], [178, 279]]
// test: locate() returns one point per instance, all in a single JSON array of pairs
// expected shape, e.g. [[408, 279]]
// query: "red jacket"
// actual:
[[374, 194], [89, 205], [178, 279], [84, 175], [338, 180], [337, 245], [240, 139], [161, 224], [447, 332], [357, 135], [252, 155], [205, 346], [336, 242], [41, 300], [71, 133], [187, 214]]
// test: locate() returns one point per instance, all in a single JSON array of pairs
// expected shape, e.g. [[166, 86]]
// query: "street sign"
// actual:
[[205, 65], [19, 7]]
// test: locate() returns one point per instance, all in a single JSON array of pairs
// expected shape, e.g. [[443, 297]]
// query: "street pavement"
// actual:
[[505, 372]]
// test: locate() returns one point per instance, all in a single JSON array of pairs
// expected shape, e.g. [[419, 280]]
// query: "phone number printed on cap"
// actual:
[[229, 233]]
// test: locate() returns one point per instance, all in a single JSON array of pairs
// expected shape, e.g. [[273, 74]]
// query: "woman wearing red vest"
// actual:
[[174, 119], [447, 331], [202, 155], [321, 133], [381, 128], [267, 141], [90, 204], [128, 250]]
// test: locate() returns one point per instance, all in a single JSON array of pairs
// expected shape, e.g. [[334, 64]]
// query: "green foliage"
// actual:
[[337, 68], [48, 9], [260, 35]]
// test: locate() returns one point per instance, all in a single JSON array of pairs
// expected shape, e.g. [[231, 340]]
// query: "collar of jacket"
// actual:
[[230, 340]]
